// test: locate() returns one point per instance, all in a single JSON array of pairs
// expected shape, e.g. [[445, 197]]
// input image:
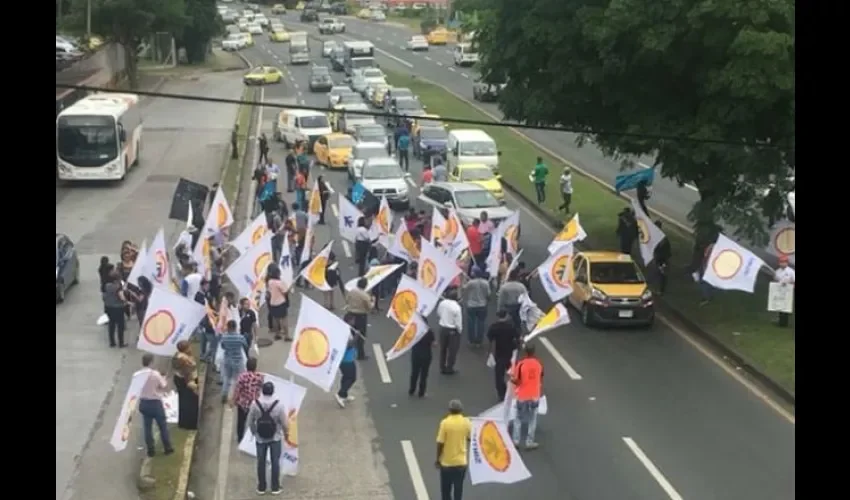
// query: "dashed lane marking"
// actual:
[[653, 470], [415, 472], [346, 249], [383, 371], [335, 210], [560, 359]]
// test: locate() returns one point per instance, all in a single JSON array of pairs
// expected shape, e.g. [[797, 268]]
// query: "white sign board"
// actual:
[[780, 298]]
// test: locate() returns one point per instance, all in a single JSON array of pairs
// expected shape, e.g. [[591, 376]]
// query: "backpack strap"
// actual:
[[264, 411], [272, 406]]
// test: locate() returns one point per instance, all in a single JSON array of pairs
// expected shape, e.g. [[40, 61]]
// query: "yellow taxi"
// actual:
[[609, 288], [427, 121], [262, 75], [439, 36], [479, 174], [378, 95], [334, 150], [300, 6], [364, 14], [278, 8], [279, 35]]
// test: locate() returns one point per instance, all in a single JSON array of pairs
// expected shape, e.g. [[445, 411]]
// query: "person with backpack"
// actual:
[[267, 422]]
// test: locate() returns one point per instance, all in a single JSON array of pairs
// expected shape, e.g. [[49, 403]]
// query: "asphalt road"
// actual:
[[180, 138], [708, 435]]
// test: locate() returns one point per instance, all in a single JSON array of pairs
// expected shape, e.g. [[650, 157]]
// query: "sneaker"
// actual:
[[277, 492], [261, 493], [339, 401], [516, 443], [349, 398], [531, 445]]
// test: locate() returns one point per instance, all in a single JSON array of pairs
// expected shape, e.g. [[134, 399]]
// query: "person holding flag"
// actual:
[[527, 377], [278, 303]]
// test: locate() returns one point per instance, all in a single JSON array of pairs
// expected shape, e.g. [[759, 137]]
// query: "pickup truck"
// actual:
[[330, 25]]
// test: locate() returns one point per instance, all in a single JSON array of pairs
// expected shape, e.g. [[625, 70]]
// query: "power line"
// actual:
[[462, 121]]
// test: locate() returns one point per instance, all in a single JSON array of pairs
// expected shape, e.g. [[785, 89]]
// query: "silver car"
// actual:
[[348, 122], [358, 83], [335, 93], [363, 151], [372, 133], [468, 199], [383, 177]]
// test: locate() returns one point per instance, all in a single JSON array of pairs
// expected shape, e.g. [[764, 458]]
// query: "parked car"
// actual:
[[320, 79], [328, 48], [384, 177], [468, 199], [309, 16], [67, 266], [417, 43], [331, 25]]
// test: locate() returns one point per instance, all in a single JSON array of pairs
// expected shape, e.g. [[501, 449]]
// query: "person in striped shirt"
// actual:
[[233, 345]]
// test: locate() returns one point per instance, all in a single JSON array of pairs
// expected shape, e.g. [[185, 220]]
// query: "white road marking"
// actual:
[[439, 63], [379, 39], [451, 69], [224, 453], [300, 94], [653, 470], [382, 364], [416, 478], [560, 359], [295, 85], [335, 210], [427, 58], [410, 181], [464, 75], [346, 249], [394, 58]]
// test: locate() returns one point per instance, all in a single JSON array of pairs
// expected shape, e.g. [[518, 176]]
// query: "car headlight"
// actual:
[[598, 295], [647, 295]]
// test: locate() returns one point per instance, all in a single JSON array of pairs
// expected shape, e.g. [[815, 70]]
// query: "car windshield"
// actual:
[[476, 174], [401, 93], [476, 199], [407, 104], [340, 91], [372, 73], [610, 273], [477, 148], [86, 141], [353, 120], [233, 37], [298, 49], [314, 122], [367, 153], [365, 62], [350, 98], [341, 142], [433, 133], [418, 39], [382, 171]]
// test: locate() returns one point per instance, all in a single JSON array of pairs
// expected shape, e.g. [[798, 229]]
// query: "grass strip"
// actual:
[[737, 319]]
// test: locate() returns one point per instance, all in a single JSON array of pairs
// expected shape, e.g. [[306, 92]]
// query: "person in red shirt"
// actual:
[[427, 175], [411, 219], [245, 392], [475, 247]]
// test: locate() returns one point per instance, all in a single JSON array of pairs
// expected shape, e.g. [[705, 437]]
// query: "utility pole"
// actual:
[[88, 19]]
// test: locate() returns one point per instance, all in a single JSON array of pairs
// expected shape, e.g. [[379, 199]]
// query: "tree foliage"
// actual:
[[702, 69], [203, 23]]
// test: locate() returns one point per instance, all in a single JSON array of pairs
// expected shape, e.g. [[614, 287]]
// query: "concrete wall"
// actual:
[[103, 68]]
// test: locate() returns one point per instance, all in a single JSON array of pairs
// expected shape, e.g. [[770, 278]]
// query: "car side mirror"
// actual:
[[499, 153], [122, 135]]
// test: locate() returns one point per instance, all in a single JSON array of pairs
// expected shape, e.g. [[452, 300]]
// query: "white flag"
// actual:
[[309, 241], [513, 265], [572, 233], [139, 266], [649, 235], [497, 411], [251, 234], [373, 276], [171, 404], [170, 318], [157, 269], [201, 255], [250, 268], [492, 455], [314, 203], [557, 316], [436, 270], [783, 240], [403, 245], [348, 217], [314, 272], [382, 224], [291, 396], [320, 341], [731, 266], [554, 273], [453, 230], [510, 231], [287, 275], [494, 258], [411, 297], [410, 335], [220, 216], [123, 426], [529, 312]]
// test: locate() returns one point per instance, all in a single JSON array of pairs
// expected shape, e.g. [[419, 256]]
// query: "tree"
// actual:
[[713, 70], [202, 25], [128, 22]]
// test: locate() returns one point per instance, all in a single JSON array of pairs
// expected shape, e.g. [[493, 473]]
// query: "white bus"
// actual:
[[98, 137]]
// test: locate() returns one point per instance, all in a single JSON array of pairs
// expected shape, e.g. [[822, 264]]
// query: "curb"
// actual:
[[729, 353]]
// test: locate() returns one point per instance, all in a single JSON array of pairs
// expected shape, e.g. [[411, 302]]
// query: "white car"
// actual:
[[378, 15], [330, 25], [233, 42], [261, 20], [465, 55], [373, 76], [384, 177], [255, 29], [328, 48], [243, 25], [248, 14], [417, 42], [363, 151], [348, 123]]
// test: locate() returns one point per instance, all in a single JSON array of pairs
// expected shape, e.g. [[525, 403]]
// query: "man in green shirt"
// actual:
[[539, 177]]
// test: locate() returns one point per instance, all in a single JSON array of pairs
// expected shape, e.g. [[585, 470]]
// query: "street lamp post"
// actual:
[[88, 19]]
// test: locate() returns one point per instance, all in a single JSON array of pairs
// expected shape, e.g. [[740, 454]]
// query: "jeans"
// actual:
[[540, 187], [152, 411], [513, 312], [241, 420], [449, 345], [499, 372], [229, 372], [404, 159], [299, 198], [361, 321], [117, 323], [526, 413], [349, 376], [476, 317], [209, 343], [419, 374], [274, 449], [451, 481], [290, 179]]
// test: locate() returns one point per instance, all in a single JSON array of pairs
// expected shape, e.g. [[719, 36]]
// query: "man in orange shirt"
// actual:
[[527, 376], [473, 236]]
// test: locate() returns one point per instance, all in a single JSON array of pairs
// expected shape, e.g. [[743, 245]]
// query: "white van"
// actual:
[[294, 125], [472, 146]]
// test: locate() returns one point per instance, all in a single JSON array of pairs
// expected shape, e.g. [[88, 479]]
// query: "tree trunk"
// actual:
[[705, 226], [132, 64]]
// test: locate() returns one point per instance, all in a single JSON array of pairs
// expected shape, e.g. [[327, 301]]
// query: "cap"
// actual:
[[455, 405]]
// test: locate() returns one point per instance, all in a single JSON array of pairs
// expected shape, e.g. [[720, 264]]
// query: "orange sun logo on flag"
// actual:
[[159, 327]]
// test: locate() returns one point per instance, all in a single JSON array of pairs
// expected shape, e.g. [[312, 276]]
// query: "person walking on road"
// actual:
[[324, 194], [440, 174], [403, 146], [301, 190], [627, 230], [509, 298], [538, 175], [233, 344], [450, 319], [476, 248], [114, 303], [476, 296], [527, 377], [643, 195], [504, 340], [263, 143], [662, 255], [358, 303], [453, 437], [152, 408], [347, 367], [362, 244], [566, 190], [420, 357], [245, 392], [278, 304], [267, 422], [785, 276], [291, 162]]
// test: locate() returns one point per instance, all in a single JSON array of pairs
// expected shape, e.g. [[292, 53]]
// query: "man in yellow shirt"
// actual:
[[452, 440]]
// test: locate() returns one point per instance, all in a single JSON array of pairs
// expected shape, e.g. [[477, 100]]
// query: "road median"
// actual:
[[735, 323]]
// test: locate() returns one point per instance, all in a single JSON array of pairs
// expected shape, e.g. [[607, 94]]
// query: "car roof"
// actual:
[[304, 112], [606, 256], [472, 166], [368, 144], [337, 135], [382, 160], [459, 186], [471, 134], [357, 107]]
